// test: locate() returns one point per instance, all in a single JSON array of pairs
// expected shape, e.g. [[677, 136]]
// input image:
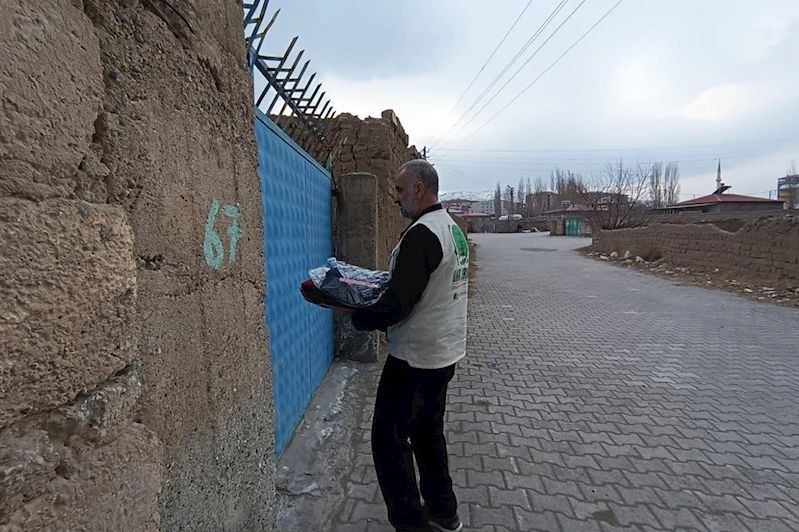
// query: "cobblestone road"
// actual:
[[595, 398]]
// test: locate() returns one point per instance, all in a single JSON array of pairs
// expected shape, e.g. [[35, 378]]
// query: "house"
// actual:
[[721, 202], [488, 207], [457, 206], [569, 220], [788, 191]]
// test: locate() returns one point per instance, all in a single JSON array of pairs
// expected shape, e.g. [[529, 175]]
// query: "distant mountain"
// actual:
[[469, 195]]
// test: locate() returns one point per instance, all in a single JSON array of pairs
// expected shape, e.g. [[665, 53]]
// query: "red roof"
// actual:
[[714, 199]]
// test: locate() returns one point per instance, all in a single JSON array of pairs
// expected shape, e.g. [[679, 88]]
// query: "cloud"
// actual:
[[670, 81], [733, 101]]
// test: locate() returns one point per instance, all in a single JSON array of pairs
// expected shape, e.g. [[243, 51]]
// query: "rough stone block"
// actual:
[[67, 296], [52, 83], [70, 468]]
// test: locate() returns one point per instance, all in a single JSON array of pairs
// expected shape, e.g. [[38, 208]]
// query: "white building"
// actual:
[[487, 207]]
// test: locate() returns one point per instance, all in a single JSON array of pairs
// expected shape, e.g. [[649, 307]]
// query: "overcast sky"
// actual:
[[679, 80]]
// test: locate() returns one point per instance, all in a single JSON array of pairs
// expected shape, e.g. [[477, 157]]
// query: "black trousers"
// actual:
[[409, 421]]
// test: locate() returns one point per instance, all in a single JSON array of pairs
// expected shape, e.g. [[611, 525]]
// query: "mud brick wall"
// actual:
[[721, 219], [767, 248], [462, 223], [366, 221], [135, 386], [377, 146]]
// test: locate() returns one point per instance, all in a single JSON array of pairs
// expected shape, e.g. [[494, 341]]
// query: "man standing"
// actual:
[[424, 315]]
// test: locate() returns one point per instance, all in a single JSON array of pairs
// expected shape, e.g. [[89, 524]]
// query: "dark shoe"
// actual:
[[452, 524]]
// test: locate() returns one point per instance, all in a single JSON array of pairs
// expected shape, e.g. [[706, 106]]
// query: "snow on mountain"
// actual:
[[469, 195]]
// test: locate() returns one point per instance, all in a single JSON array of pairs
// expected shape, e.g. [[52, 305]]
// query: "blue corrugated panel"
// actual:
[[295, 195]]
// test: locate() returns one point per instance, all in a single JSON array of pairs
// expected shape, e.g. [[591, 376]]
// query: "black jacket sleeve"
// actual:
[[418, 257]]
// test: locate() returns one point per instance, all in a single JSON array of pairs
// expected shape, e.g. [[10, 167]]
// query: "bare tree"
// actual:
[[568, 186], [617, 196], [540, 185], [671, 183], [521, 196], [664, 185], [529, 199], [498, 201], [656, 193]]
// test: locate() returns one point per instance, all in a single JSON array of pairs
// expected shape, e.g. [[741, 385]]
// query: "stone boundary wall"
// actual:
[[377, 146], [135, 379], [462, 223], [366, 221], [767, 248]]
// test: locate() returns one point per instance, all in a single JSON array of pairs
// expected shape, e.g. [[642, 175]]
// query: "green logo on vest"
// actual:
[[461, 245]]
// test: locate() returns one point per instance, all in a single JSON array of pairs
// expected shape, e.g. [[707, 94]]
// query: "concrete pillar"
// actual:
[[357, 244]]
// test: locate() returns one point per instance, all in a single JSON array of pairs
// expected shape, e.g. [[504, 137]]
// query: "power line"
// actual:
[[521, 67], [460, 174], [584, 35], [507, 67], [487, 61], [624, 149], [637, 158]]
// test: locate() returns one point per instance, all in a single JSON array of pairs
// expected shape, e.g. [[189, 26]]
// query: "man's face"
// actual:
[[406, 195]]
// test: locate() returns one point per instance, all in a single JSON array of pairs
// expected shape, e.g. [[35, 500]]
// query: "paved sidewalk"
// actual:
[[595, 398]]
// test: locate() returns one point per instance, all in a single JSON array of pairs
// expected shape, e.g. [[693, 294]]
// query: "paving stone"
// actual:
[[553, 503], [511, 497], [633, 496], [663, 419], [370, 511], [554, 487], [482, 516], [768, 509], [632, 515], [770, 525], [532, 482], [671, 519], [598, 493], [477, 495], [488, 478], [724, 504], [575, 525]]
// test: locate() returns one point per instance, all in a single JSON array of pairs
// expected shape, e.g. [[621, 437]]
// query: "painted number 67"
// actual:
[[212, 245]]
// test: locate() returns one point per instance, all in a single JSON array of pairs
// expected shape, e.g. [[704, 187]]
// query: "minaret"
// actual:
[[718, 176]]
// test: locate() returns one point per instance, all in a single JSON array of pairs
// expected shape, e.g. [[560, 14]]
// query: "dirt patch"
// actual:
[[778, 292], [472, 267], [538, 249]]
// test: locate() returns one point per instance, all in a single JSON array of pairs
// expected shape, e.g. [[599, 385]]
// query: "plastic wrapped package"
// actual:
[[345, 285]]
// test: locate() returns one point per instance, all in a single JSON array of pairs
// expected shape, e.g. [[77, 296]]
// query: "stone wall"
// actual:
[[462, 223], [367, 222], [767, 248], [716, 218], [135, 385], [377, 146]]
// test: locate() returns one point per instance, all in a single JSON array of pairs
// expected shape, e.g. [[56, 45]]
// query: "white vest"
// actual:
[[434, 335]]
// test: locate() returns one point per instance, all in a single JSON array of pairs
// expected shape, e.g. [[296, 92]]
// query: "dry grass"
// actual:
[[776, 291]]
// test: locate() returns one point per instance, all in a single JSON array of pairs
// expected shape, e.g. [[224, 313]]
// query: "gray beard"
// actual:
[[406, 214]]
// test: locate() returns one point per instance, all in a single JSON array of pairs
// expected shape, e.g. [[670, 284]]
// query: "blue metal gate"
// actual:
[[296, 202]]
